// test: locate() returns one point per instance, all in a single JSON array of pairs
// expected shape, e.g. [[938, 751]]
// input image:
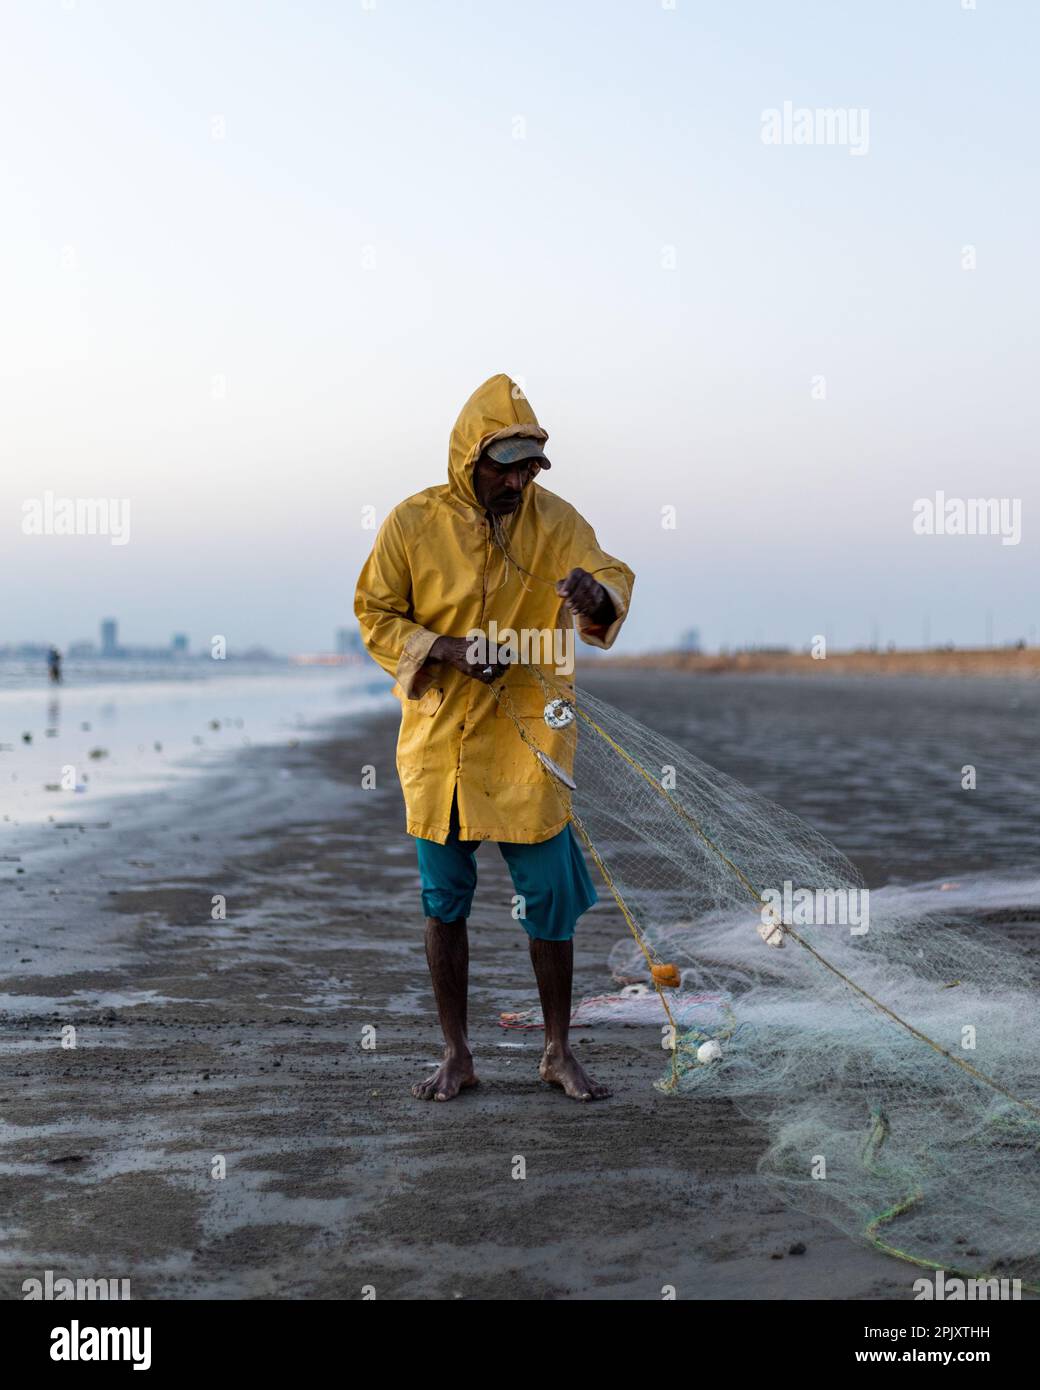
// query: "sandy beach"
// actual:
[[242, 1039]]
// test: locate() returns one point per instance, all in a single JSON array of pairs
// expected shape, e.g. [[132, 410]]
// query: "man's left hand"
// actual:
[[586, 596]]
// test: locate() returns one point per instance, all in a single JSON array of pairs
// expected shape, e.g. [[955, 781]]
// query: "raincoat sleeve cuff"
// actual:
[[597, 634], [411, 676]]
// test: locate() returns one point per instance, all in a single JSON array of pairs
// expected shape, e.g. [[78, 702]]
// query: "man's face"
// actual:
[[499, 486]]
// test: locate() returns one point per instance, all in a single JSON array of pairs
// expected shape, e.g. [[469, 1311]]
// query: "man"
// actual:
[[438, 572]]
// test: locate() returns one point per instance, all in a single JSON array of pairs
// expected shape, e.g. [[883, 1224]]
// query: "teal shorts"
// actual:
[[550, 879]]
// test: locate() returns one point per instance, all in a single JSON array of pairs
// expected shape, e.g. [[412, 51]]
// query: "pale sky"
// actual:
[[255, 256]]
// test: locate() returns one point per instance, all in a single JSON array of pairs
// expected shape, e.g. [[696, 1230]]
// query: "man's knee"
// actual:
[[447, 904]]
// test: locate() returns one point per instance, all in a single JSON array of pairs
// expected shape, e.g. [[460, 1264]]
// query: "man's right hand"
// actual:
[[456, 651]]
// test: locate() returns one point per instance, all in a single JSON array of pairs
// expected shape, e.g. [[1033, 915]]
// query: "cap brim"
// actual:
[[517, 449]]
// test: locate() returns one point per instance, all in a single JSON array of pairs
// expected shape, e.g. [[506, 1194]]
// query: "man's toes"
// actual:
[[582, 1087], [577, 1090], [592, 1090], [444, 1084]]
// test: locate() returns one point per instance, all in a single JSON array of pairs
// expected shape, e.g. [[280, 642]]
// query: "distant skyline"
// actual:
[[347, 641], [110, 643], [253, 262]]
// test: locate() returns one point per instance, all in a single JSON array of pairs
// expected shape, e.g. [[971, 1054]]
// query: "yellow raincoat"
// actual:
[[435, 571]]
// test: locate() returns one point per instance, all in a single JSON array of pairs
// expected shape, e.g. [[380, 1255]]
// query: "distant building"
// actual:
[[109, 643], [348, 641], [179, 644], [690, 641]]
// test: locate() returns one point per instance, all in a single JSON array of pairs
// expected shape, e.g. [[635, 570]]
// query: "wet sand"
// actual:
[[242, 1039]]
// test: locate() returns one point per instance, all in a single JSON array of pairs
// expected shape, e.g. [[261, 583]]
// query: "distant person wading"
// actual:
[[435, 574]]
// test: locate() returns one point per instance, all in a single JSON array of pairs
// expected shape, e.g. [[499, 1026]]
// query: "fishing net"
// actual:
[[886, 1041]]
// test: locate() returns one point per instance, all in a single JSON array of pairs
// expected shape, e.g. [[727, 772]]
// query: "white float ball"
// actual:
[[709, 1051]]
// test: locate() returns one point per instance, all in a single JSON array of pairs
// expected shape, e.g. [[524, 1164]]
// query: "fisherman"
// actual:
[[446, 563], [54, 665]]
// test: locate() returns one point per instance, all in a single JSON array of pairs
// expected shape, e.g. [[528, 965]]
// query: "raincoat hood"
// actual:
[[496, 410]]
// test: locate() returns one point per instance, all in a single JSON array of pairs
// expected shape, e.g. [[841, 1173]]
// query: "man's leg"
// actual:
[[554, 886], [447, 954], [448, 874], [553, 963]]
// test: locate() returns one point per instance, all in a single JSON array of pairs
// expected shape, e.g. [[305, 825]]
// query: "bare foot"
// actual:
[[452, 1076], [563, 1069]]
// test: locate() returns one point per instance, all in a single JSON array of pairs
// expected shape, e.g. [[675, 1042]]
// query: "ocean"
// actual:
[[115, 728]]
